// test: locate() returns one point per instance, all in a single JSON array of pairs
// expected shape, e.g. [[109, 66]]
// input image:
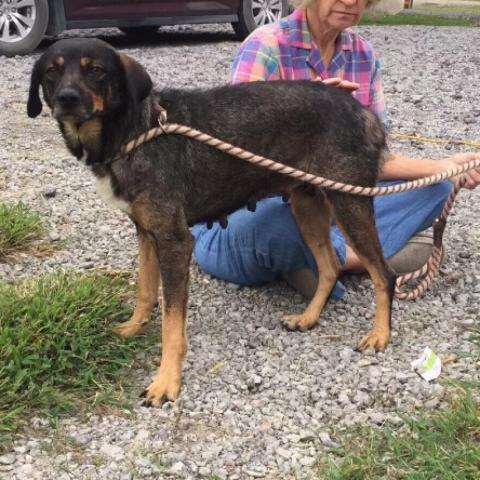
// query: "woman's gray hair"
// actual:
[[306, 3]]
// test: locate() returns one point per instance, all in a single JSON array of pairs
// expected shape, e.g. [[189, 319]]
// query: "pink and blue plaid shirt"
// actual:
[[285, 50]]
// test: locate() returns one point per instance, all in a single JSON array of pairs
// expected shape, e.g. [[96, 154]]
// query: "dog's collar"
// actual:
[[160, 111], [144, 137]]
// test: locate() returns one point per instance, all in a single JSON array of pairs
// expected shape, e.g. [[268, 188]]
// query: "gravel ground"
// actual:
[[257, 401]]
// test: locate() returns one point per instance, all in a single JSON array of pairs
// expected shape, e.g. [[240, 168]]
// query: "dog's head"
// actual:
[[84, 78]]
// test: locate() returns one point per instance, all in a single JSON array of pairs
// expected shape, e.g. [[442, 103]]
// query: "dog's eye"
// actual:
[[96, 71], [51, 71]]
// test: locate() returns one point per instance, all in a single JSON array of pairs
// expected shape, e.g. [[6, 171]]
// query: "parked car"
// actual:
[[24, 23]]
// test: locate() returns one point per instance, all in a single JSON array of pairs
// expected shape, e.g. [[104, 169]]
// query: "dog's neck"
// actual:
[[98, 140], [84, 140]]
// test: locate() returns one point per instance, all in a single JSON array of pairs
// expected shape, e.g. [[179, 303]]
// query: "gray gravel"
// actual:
[[257, 401]]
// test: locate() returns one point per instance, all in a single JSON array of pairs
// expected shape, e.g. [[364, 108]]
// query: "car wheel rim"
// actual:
[[17, 18], [266, 11]]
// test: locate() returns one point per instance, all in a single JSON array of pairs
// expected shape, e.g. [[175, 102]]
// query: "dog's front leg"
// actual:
[[147, 288], [173, 245], [174, 258]]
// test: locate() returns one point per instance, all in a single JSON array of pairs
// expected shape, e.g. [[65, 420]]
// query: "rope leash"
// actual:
[[431, 267], [300, 175], [428, 272]]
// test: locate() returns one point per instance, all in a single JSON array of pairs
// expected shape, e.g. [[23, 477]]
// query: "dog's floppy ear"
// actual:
[[139, 82], [34, 104]]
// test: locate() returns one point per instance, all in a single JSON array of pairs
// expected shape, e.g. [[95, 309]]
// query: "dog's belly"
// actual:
[[105, 192], [228, 197]]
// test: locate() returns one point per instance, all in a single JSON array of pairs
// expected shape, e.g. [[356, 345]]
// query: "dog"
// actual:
[[101, 99]]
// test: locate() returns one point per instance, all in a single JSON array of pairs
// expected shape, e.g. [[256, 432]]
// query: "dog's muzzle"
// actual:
[[69, 105]]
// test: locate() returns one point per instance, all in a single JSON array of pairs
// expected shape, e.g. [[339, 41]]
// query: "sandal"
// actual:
[[414, 254]]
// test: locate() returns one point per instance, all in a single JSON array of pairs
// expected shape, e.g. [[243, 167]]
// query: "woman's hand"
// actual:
[[399, 167], [338, 82], [472, 177]]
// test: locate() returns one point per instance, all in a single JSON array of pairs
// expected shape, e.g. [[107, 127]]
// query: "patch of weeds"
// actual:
[[3, 179], [474, 357], [431, 445], [66, 444], [154, 461], [453, 10], [157, 460], [475, 339], [58, 351], [442, 445], [416, 19], [19, 228]]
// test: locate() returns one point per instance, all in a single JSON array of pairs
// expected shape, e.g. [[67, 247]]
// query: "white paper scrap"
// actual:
[[428, 366]]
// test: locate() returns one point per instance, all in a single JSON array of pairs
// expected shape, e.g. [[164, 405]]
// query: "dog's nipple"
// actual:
[[251, 205], [223, 220]]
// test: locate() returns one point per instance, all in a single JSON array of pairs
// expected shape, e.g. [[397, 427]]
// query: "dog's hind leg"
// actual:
[[313, 214], [355, 217], [147, 288]]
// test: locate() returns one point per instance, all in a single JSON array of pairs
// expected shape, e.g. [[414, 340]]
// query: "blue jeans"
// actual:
[[257, 247]]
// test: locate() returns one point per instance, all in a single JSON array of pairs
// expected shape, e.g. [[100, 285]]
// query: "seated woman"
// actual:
[[315, 42]]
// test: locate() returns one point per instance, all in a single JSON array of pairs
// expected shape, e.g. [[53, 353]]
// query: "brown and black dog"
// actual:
[[101, 99]]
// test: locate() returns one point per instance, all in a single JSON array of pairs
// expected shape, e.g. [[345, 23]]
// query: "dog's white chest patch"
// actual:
[[84, 157], [105, 192]]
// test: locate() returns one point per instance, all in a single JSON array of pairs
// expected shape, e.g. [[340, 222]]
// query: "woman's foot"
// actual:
[[410, 258]]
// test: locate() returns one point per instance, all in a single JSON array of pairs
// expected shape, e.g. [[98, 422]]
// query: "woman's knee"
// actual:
[[431, 204], [442, 190], [439, 194]]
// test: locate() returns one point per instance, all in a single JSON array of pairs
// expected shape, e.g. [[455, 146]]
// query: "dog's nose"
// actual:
[[68, 96]]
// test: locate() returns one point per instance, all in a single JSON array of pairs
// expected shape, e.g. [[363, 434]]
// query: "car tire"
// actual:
[[22, 37], [140, 31], [255, 13]]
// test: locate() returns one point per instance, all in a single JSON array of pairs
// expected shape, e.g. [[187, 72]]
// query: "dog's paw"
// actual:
[[374, 341], [299, 322], [164, 388], [130, 328]]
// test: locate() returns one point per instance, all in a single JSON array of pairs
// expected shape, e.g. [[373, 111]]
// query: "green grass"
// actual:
[[57, 349], [449, 9], [416, 19], [445, 446], [19, 227]]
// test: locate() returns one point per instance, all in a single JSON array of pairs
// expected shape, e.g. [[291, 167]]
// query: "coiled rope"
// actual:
[[428, 272], [431, 267]]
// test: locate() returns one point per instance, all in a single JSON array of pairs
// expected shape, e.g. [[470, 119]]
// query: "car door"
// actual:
[[76, 10]]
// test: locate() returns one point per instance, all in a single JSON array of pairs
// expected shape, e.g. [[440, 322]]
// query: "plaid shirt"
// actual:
[[286, 51]]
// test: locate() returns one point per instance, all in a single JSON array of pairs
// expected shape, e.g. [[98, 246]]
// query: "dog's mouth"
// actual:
[[77, 114]]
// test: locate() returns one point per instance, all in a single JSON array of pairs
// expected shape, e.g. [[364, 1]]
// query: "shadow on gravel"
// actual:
[[161, 38]]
